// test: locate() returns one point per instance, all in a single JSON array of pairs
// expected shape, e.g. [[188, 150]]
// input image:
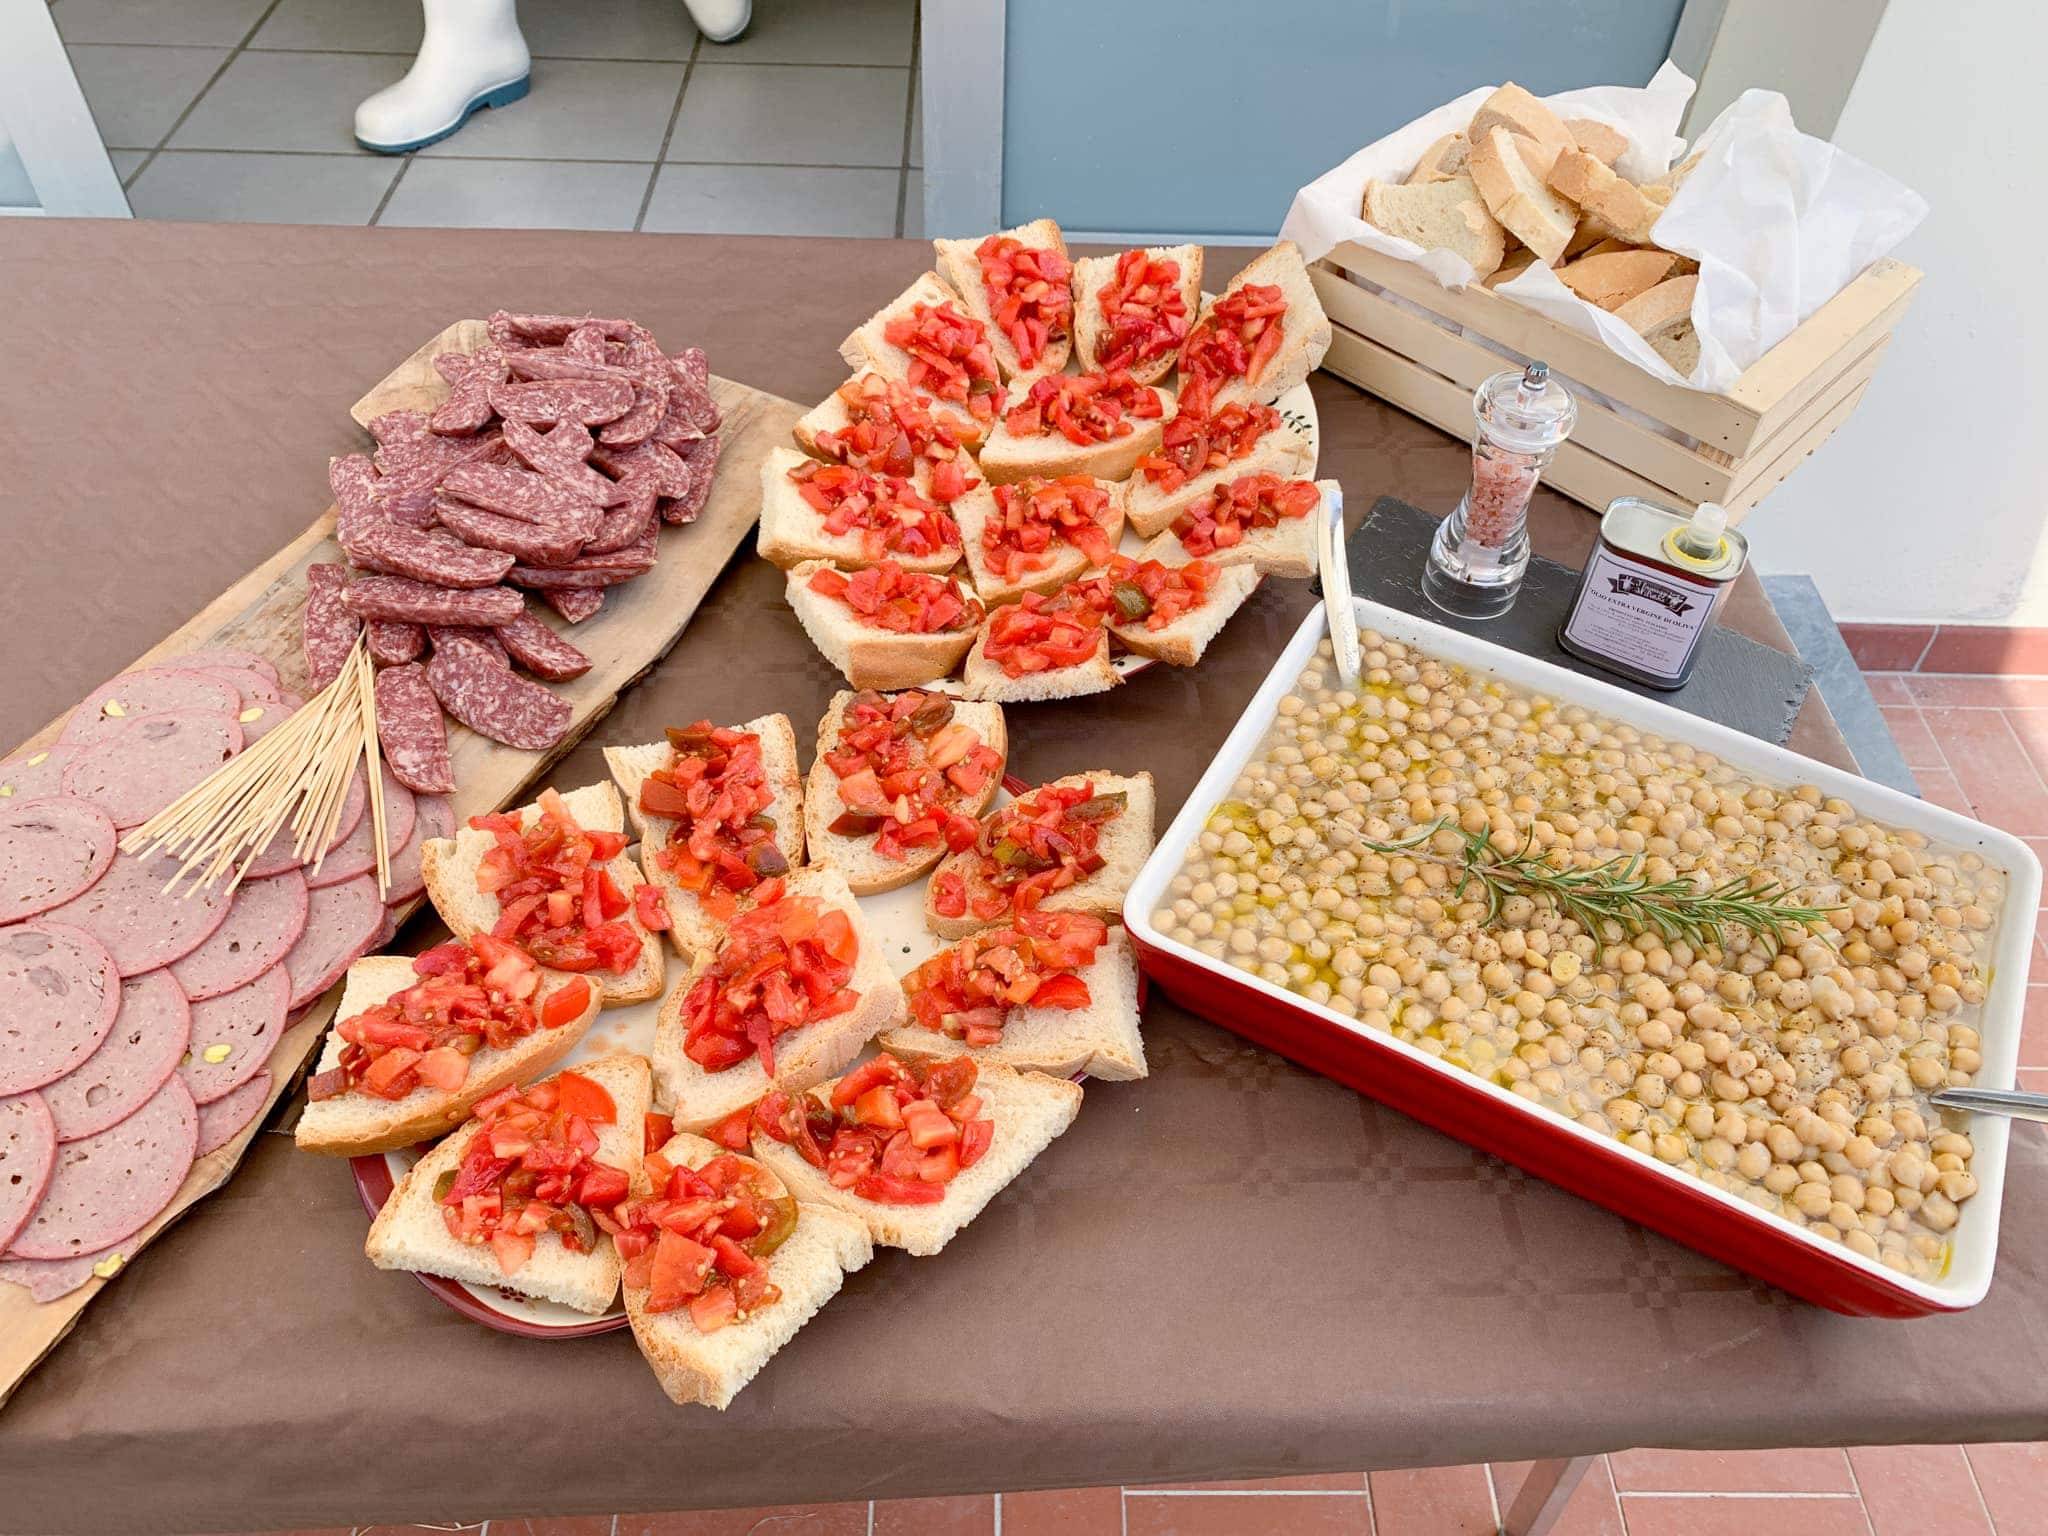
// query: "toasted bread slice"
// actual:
[[867, 872], [1444, 159], [831, 415], [793, 531], [961, 269], [869, 348], [1029, 1110], [1515, 193], [1288, 548], [984, 679], [1663, 317], [870, 657], [1125, 844], [1305, 328], [1624, 210], [1597, 139], [1151, 511], [449, 867], [978, 509], [698, 1099], [1007, 458], [1521, 261], [1609, 279], [410, 1234], [1444, 213], [1518, 113], [1092, 274], [1181, 643], [693, 929], [808, 1269]]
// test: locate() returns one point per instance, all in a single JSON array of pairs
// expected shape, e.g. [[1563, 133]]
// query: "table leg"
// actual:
[[1543, 1496]]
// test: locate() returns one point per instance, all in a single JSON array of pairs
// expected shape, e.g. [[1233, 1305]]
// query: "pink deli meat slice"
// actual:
[[393, 644], [142, 1050], [521, 493], [340, 922], [541, 651], [702, 457], [250, 685], [357, 854], [157, 758], [216, 658], [232, 1035], [223, 1120], [432, 817], [650, 404], [591, 402], [394, 597], [259, 720], [264, 921], [411, 731], [109, 1186], [28, 1155], [110, 708], [509, 328], [59, 992], [48, 1279], [50, 850], [628, 522], [575, 603], [328, 629], [550, 363], [33, 775], [450, 636], [128, 911], [491, 700]]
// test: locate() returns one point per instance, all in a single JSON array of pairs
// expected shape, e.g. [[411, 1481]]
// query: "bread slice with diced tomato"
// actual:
[[960, 266], [793, 531], [832, 415], [868, 872], [1288, 548], [873, 657], [1009, 456], [449, 865], [980, 510], [1100, 1038], [1281, 450], [1181, 642], [698, 1099], [868, 348], [355, 1123], [807, 1270], [1029, 1109], [692, 927], [1094, 332], [985, 679], [410, 1233], [1305, 329]]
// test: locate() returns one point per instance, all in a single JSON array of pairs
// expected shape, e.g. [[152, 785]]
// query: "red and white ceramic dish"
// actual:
[[1546, 1144]]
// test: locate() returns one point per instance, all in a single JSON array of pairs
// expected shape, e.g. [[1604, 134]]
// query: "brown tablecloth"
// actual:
[[1231, 1269]]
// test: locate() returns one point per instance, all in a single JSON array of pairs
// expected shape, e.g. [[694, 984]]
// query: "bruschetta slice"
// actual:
[[1264, 334], [1041, 647], [1171, 612], [1018, 283], [1037, 535], [1263, 521], [1134, 309], [1199, 454], [811, 510], [926, 338], [1098, 424], [885, 427], [885, 627]]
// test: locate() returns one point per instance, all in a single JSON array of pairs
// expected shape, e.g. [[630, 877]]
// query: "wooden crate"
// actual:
[[1731, 448]]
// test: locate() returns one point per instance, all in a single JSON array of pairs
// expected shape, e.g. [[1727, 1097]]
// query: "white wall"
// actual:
[[1929, 503]]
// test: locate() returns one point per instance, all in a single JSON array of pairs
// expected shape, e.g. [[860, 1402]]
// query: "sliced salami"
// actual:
[[521, 493], [137, 773], [142, 1050], [136, 920], [393, 644], [32, 775], [353, 481], [340, 922], [563, 452], [393, 427], [28, 1154], [411, 731], [470, 381], [224, 657], [693, 398], [432, 817], [250, 685], [109, 1186], [59, 992], [545, 401], [224, 1119], [445, 637], [575, 603], [393, 549], [549, 363], [264, 920], [670, 471], [110, 708], [328, 628], [357, 854], [493, 701], [48, 1279], [511, 539], [628, 522], [232, 1034], [541, 651], [510, 329], [50, 850], [650, 404], [702, 457], [414, 602], [606, 570]]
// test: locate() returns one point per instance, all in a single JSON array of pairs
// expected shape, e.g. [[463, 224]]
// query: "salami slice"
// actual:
[[563, 453], [650, 404], [329, 629], [432, 817], [413, 469], [511, 329], [521, 493], [50, 850], [340, 922], [394, 427], [393, 549], [109, 1186], [393, 644], [264, 920], [628, 522], [28, 1154], [214, 658], [541, 651], [702, 458], [470, 381], [232, 1034], [157, 758], [48, 1279], [670, 471], [411, 732], [109, 708], [511, 539], [693, 398], [142, 1050], [551, 363], [606, 570], [575, 603], [493, 701], [587, 341], [353, 481], [128, 911], [224, 1119], [589, 401], [358, 853], [414, 602], [32, 775], [59, 991]]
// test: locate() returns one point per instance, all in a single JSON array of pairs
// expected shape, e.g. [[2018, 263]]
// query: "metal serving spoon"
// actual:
[[1336, 573], [1994, 1101]]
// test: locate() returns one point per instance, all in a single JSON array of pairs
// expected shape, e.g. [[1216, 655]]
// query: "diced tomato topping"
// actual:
[[904, 765], [556, 899], [1034, 515], [892, 1133], [703, 1237], [1085, 408], [1041, 842], [894, 430], [949, 894], [1030, 292], [578, 1095], [1133, 592], [720, 844], [899, 602], [734, 1130], [1044, 634], [886, 513], [784, 963], [1144, 310], [950, 357], [1234, 340], [531, 1168], [1194, 443], [1223, 517], [967, 992], [566, 1003], [657, 1131]]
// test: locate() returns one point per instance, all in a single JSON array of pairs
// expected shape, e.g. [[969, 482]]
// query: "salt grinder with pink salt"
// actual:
[[1481, 551]]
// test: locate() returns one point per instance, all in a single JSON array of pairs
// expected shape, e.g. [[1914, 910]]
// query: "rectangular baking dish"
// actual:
[[1547, 1144]]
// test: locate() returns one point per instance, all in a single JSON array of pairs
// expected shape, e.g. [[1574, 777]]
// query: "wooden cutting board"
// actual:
[[638, 624]]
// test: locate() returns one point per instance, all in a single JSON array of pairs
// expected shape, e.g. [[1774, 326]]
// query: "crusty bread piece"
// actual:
[[1513, 109], [977, 509], [1125, 844], [866, 871], [830, 415], [1516, 195], [961, 268], [1093, 273], [1150, 511], [356, 1124], [1443, 160], [1610, 279], [691, 928], [1445, 213], [1288, 548], [449, 866], [1512, 268], [1305, 328], [984, 679], [410, 1234], [1007, 458], [868, 348], [808, 1269], [1029, 1110], [792, 530], [697, 1099], [1181, 643], [1102, 1039], [869, 657], [1603, 143], [1619, 206], [1661, 309]]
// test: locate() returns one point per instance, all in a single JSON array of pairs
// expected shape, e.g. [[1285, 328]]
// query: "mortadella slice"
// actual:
[[221, 1121], [140, 924], [264, 921], [28, 1154], [50, 850], [137, 773], [109, 1186], [233, 1034], [113, 706], [147, 1042], [341, 920], [59, 992]]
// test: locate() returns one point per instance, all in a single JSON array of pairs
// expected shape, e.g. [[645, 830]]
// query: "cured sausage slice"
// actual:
[[402, 426], [50, 850], [32, 775], [110, 708], [670, 471], [357, 854], [606, 570], [393, 644], [137, 773], [28, 1154], [432, 817], [692, 395], [340, 922], [393, 549], [493, 701], [264, 920], [222, 1121], [575, 603], [541, 651], [589, 401], [447, 636], [470, 381], [411, 732], [702, 457], [353, 480], [519, 541], [108, 1186], [128, 911], [232, 1034], [563, 453], [628, 522], [141, 1051], [520, 493], [329, 628], [511, 329], [550, 363], [415, 602], [59, 992], [650, 404]]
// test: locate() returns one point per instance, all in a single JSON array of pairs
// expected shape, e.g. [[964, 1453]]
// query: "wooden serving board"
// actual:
[[637, 626]]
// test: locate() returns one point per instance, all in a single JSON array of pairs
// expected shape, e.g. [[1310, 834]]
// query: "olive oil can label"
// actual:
[[1648, 618]]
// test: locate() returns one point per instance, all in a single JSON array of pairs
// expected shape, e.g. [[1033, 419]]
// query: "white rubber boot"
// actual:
[[472, 55], [721, 20]]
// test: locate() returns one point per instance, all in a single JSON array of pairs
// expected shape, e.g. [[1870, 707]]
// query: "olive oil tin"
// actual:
[[1651, 588]]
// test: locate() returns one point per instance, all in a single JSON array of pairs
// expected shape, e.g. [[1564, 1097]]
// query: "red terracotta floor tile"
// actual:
[[1999, 648], [973, 1515], [2034, 1030], [1433, 1501], [776, 1520], [1946, 689], [1313, 1482], [1763, 1515], [1787, 1471], [1593, 1510], [2031, 726], [1888, 687], [1887, 647], [2014, 1482], [2033, 1079], [1939, 787], [1065, 1512], [1915, 742], [1993, 768], [1256, 1514], [1919, 1490]]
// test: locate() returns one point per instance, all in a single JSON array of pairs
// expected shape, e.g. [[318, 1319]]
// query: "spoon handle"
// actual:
[[1336, 573], [1995, 1101]]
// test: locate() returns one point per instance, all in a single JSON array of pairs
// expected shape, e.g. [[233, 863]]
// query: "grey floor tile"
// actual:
[[301, 101], [607, 29], [823, 32], [137, 93], [127, 162], [343, 26], [1804, 613], [779, 114], [261, 188], [916, 123], [518, 194], [913, 205], [772, 200], [578, 111], [196, 23]]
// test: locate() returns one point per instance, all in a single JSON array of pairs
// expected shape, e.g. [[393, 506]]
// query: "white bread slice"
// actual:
[[1181, 643], [1513, 109], [865, 870], [1516, 195], [1029, 1109], [808, 1269], [867, 347], [792, 530], [449, 866], [1445, 213], [356, 1124], [1513, 267], [692, 929], [1151, 511], [1102, 1039], [961, 268], [1007, 458], [1288, 548], [1443, 159], [1609, 279], [869, 657], [1603, 143], [831, 415], [1663, 317], [1306, 329], [698, 1099], [977, 509], [1125, 845], [1092, 274], [410, 1234], [1620, 207], [984, 679]]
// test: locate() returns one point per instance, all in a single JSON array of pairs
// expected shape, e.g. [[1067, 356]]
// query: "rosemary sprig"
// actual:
[[1612, 892]]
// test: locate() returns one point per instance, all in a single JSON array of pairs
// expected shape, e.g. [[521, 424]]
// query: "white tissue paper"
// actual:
[[1779, 221]]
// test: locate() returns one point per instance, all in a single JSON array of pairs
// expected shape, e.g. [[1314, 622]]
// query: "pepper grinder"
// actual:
[[1481, 551]]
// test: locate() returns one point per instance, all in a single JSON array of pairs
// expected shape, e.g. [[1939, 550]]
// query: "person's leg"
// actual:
[[471, 55], [721, 20]]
